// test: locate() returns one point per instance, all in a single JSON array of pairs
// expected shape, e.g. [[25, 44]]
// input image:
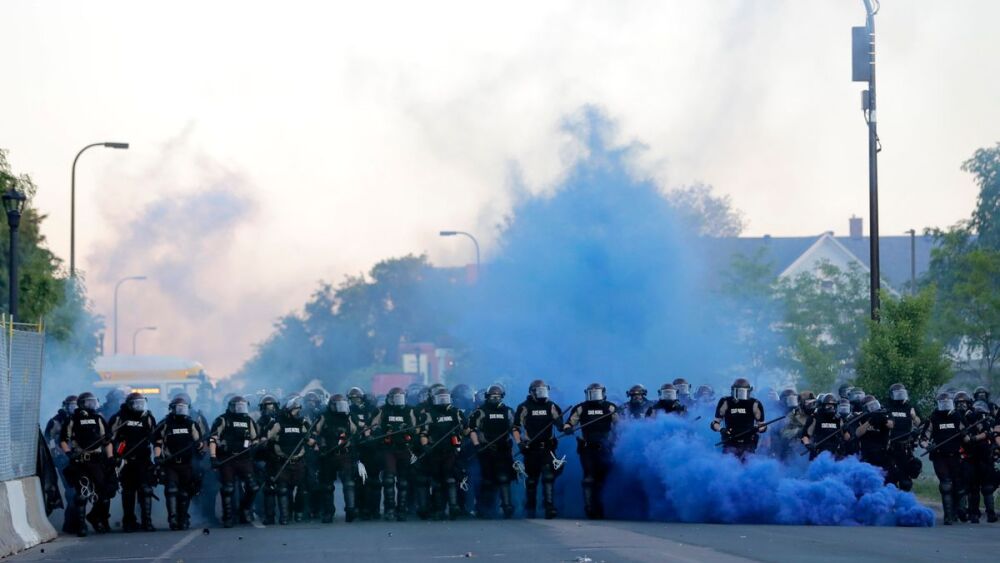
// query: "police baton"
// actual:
[[479, 448], [387, 434], [435, 444], [915, 432], [144, 439], [540, 433], [582, 426], [837, 433], [962, 433], [183, 450], [288, 459], [755, 428]]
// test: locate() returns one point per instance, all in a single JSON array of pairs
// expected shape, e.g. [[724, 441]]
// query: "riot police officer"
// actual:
[[369, 489], [113, 403], [464, 399], [705, 395], [945, 431], [983, 394], [267, 410], [683, 392], [334, 434], [637, 403], [131, 430], [979, 451], [86, 442], [443, 429], [232, 439], [287, 439], [53, 431], [397, 425], [175, 444], [595, 417], [800, 408], [824, 430], [872, 434], [207, 479], [904, 466], [743, 416], [491, 425], [668, 402], [534, 420], [307, 499]]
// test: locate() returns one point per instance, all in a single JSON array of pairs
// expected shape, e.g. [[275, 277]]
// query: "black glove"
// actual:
[[727, 433], [523, 446], [216, 463]]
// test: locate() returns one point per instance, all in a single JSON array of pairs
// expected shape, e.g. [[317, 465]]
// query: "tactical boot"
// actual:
[[948, 507], [81, 516], [505, 504], [173, 519], [588, 502], [129, 523], [227, 510], [548, 499], [350, 511], [990, 505], [183, 518], [302, 505], [146, 505], [453, 509], [531, 499], [327, 510], [284, 507], [401, 502], [269, 501]]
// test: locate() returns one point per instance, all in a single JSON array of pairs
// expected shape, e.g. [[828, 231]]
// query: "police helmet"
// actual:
[[682, 386], [395, 397], [595, 392], [135, 402], [356, 395], [268, 404], [898, 392], [667, 392], [538, 390], [981, 394], [740, 389], [87, 401], [179, 407], [637, 393], [495, 394], [442, 397], [871, 404], [339, 404], [944, 402], [238, 405]]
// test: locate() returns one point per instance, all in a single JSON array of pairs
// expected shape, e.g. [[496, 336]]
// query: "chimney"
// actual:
[[857, 227]]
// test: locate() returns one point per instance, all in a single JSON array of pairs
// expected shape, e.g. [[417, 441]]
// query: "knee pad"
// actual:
[[945, 486], [171, 490], [146, 491], [530, 483], [253, 486], [389, 481], [282, 490], [228, 489], [450, 481], [589, 481]]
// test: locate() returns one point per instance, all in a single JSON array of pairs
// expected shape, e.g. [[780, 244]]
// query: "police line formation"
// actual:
[[408, 456]]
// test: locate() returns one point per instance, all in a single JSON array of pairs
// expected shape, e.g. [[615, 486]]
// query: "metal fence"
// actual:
[[21, 351]]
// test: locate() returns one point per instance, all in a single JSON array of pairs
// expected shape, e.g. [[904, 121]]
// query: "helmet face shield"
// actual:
[[182, 409], [945, 405], [668, 394], [341, 406], [396, 400], [541, 392], [137, 405], [241, 407], [683, 388], [900, 395], [90, 403], [595, 394], [442, 399], [792, 401], [981, 407], [844, 408], [741, 393], [70, 408]]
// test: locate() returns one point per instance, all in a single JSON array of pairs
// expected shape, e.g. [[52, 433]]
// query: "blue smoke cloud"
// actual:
[[603, 281]]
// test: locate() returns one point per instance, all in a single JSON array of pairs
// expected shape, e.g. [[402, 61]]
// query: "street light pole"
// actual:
[[13, 203], [863, 42], [72, 202], [474, 241], [115, 322], [913, 261], [135, 335]]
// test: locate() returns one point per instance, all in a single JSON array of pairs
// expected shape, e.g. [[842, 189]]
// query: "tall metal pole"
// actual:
[[135, 335], [114, 347], [13, 203], [873, 149], [474, 241], [13, 273], [72, 202]]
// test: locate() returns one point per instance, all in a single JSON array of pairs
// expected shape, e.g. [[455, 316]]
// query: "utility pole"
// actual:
[[863, 70]]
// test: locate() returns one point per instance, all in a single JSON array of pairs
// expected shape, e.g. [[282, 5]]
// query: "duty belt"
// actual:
[[85, 456]]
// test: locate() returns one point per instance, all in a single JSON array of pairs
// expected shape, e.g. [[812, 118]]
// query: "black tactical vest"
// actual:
[[335, 432], [539, 419], [739, 418], [899, 412], [85, 431], [597, 417], [827, 424], [443, 421], [238, 433], [945, 425], [132, 433], [396, 418], [493, 421], [635, 410], [292, 435], [178, 438], [667, 407]]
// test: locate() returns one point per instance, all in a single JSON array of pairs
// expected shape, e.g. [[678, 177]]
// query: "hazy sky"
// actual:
[[277, 144]]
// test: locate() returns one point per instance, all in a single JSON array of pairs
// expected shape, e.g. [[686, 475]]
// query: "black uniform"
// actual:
[[825, 433], [370, 490], [287, 437], [398, 426], [443, 428], [53, 433], [262, 459], [635, 409], [334, 433], [740, 416], [873, 441], [178, 439], [494, 423], [941, 430], [91, 468], [981, 472], [234, 435], [132, 434], [666, 407], [904, 467], [535, 420], [597, 419]]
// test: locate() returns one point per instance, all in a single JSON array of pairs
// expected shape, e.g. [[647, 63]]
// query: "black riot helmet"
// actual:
[[293, 407], [415, 394], [945, 403], [135, 402], [667, 392], [495, 395], [981, 407], [705, 393], [962, 401], [179, 407], [898, 393], [338, 404], [312, 401], [740, 389], [115, 397], [395, 397], [807, 400], [637, 393], [441, 398], [356, 395], [789, 398], [538, 390], [871, 404], [843, 391], [829, 404], [682, 386], [462, 393], [981, 394], [844, 408], [69, 404], [268, 405], [856, 395], [237, 405], [87, 401], [595, 392]]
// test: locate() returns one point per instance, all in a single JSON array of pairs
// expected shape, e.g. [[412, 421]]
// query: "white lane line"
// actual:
[[178, 546]]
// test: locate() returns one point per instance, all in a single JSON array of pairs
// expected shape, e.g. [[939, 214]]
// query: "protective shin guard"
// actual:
[[350, 505], [227, 509], [589, 506], [170, 500], [326, 505], [270, 499], [990, 505], [402, 496], [303, 504], [389, 496], [947, 505], [183, 517], [284, 507], [530, 496], [452, 489], [146, 506], [505, 503], [129, 522], [548, 498], [81, 515]]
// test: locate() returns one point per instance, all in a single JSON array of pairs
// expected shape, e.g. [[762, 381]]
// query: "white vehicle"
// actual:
[[156, 377]]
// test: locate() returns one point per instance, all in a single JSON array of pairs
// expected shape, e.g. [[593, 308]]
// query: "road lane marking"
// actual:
[[178, 546]]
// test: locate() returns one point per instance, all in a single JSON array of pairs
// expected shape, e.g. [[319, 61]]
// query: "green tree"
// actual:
[[705, 213], [754, 309], [901, 349], [985, 167], [824, 323]]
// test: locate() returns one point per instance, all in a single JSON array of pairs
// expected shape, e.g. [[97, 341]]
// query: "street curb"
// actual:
[[23, 523]]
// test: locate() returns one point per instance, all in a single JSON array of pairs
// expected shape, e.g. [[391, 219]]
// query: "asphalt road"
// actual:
[[530, 541]]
